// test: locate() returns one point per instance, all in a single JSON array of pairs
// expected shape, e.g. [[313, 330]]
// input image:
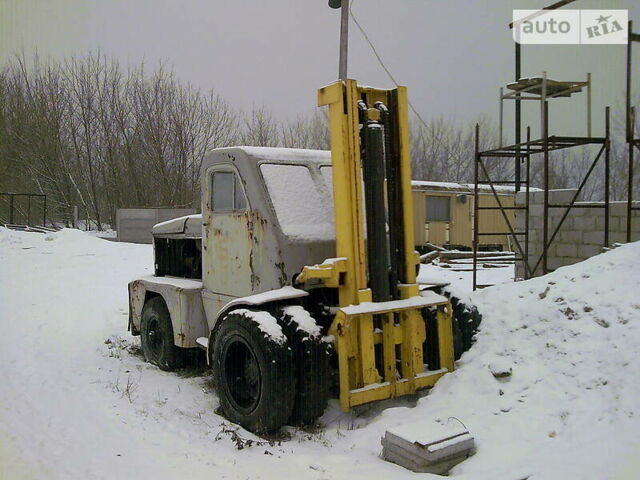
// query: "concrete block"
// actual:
[[535, 223], [567, 250], [571, 260], [571, 237], [584, 223], [536, 211], [618, 209], [519, 270], [521, 198], [534, 197], [588, 251], [593, 238], [554, 262], [615, 223], [577, 212], [562, 195], [552, 251], [567, 223], [435, 450], [619, 237]]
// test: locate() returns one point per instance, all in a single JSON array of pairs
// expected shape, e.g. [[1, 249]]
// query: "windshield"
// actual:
[[303, 204]]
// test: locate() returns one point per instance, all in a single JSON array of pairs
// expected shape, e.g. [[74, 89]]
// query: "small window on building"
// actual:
[[438, 209], [226, 193]]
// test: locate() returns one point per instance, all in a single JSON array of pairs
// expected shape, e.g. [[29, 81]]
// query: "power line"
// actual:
[[377, 55]]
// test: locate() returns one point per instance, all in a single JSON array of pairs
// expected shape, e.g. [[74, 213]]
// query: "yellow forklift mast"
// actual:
[[380, 326]]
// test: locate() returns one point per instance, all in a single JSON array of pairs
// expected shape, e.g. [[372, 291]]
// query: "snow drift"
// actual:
[[549, 390]]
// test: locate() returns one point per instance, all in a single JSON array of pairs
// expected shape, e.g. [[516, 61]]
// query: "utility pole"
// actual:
[[343, 5]]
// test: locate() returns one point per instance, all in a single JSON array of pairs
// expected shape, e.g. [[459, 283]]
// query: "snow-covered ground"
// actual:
[[77, 401]]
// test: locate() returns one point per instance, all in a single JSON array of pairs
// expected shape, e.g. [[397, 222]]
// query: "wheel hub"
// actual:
[[242, 374]]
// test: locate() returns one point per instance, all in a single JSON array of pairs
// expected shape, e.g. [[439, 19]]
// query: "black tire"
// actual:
[[466, 320], [253, 374], [156, 336], [311, 367]]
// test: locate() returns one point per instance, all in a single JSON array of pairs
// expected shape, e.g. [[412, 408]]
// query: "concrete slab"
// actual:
[[435, 449]]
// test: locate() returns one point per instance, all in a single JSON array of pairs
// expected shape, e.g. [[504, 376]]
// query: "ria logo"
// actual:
[[570, 26], [604, 27]]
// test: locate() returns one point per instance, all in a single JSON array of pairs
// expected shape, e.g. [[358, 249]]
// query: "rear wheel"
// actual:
[[311, 365], [253, 373], [156, 336]]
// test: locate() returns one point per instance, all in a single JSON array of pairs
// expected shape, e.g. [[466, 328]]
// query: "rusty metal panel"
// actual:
[[184, 302], [137, 292], [245, 252]]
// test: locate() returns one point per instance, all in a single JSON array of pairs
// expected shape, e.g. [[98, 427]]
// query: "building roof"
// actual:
[[424, 186]]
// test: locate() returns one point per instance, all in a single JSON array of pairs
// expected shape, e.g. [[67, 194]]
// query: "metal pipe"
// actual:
[[606, 176], [476, 211], [500, 142], [630, 175], [629, 129], [628, 84], [589, 104], [527, 272], [518, 120], [394, 195], [344, 40], [545, 207], [377, 244]]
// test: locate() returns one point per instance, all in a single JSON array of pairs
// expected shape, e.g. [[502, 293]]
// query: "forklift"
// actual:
[[300, 273]]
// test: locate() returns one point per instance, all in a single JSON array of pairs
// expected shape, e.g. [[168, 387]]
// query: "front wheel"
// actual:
[[156, 336], [253, 372]]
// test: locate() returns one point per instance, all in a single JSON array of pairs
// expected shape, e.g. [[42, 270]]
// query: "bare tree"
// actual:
[[259, 129], [307, 131]]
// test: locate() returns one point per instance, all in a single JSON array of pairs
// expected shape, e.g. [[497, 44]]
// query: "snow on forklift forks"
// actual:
[[278, 283]]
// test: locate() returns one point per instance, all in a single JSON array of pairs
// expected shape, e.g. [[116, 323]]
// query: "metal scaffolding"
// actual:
[[541, 89], [632, 141]]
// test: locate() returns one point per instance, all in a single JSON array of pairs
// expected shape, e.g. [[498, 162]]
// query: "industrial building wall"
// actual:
[[134, 224], [582, 233]]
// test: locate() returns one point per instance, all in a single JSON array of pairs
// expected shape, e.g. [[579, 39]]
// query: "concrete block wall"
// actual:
[[135, 224], [582, 233]]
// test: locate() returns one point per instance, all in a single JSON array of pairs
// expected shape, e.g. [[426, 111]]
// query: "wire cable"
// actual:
[[377, 55]]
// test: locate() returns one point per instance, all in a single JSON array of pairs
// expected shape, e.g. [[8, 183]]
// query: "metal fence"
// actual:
[[23, 209]]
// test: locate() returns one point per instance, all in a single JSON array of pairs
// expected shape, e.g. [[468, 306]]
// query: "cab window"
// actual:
[[226, 193]]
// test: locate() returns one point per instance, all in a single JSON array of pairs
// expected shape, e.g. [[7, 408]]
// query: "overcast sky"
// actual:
[[453, 55]]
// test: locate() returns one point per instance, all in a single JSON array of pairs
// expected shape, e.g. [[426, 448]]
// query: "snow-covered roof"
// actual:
[[284, 154], [421, 185]]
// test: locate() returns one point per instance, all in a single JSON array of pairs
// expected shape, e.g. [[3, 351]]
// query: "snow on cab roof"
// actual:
[[281, 154]]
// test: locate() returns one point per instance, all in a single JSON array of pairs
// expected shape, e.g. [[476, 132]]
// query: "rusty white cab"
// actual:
[[266, 213]]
